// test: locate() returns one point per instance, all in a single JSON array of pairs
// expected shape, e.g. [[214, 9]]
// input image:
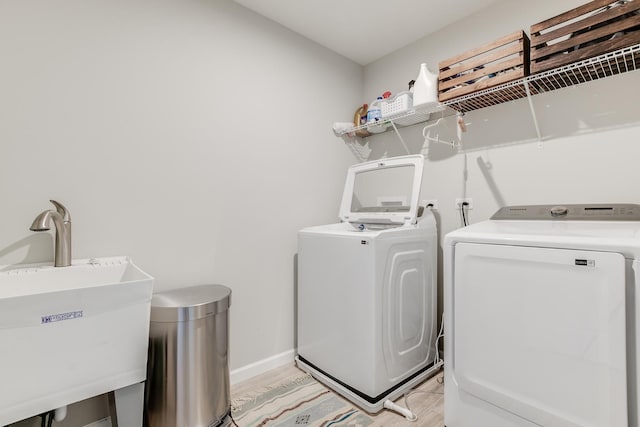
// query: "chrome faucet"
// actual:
[[62, 221]]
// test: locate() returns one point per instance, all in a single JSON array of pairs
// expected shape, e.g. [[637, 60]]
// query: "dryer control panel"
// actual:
[[574, 212]]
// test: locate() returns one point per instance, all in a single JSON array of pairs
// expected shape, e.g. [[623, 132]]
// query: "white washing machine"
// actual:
[[541, 318], [367, 287]]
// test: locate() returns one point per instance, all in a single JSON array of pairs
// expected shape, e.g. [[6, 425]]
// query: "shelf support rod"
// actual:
[[533, 112], [399, 136]]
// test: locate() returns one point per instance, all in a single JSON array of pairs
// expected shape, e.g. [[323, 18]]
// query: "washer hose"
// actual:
[[388, 404]]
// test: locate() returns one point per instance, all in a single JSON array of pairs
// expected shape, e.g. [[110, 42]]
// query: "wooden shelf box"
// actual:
[[486, 66], [593, 29]]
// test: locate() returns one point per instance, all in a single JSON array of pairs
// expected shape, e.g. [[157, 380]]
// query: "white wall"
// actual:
[[394, 71], [590, 132], [192, 135]]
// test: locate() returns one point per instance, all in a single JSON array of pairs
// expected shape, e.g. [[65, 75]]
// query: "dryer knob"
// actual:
[[559, 211]]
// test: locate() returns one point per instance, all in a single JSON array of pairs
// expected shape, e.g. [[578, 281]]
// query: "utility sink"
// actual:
[[70, 333]]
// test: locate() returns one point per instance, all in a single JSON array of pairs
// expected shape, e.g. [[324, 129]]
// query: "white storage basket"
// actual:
[[397, 104]]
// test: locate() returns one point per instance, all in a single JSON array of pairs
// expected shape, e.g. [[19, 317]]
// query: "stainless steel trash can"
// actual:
[[188, 365]]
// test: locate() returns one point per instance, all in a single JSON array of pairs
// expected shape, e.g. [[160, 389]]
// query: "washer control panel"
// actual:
[[595, 212]]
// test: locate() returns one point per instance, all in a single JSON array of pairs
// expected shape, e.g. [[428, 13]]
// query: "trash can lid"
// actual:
[[190, 303]]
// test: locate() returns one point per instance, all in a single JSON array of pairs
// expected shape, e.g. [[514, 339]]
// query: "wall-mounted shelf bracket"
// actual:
[[395, 128], [533, 114]]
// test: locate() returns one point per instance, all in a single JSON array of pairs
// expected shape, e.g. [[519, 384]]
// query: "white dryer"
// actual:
[[367, 287], [541, 318]]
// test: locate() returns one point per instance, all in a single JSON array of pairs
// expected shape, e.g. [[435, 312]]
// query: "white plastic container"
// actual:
[[398, 104], [374, 113], [425, 89], [374, 117]]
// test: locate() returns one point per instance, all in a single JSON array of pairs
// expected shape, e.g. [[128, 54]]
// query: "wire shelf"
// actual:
[[609, 64], [602, 66], [408, 118]]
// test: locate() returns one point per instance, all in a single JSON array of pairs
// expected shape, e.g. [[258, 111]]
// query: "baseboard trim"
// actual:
[[261, 366]]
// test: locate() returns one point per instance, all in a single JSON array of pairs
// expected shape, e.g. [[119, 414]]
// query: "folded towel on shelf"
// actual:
[[340, 128]]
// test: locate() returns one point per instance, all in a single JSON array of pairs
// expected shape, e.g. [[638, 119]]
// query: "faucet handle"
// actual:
[[66, 217]]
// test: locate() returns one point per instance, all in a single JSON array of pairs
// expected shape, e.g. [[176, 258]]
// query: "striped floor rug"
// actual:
[[298, 401]]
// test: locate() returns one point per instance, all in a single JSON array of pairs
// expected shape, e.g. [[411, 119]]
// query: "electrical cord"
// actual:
[[463, 208], [232, 420], [440, 335], [406, 395], [436, 361]]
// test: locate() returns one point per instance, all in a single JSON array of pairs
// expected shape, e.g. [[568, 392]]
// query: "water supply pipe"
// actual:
[[388, 404]]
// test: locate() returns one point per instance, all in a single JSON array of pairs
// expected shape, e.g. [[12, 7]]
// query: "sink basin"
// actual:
[[70, 333]]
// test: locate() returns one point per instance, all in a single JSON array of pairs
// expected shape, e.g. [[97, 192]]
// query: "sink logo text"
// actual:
[[61, 316]]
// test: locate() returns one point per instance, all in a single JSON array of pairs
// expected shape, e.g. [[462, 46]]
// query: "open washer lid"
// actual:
[[383, 191]]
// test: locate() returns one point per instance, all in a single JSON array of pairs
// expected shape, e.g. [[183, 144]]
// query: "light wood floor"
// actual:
[[426, 400]]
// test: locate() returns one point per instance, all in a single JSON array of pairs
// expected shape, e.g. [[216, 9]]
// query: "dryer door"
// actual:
[[540, 332]]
